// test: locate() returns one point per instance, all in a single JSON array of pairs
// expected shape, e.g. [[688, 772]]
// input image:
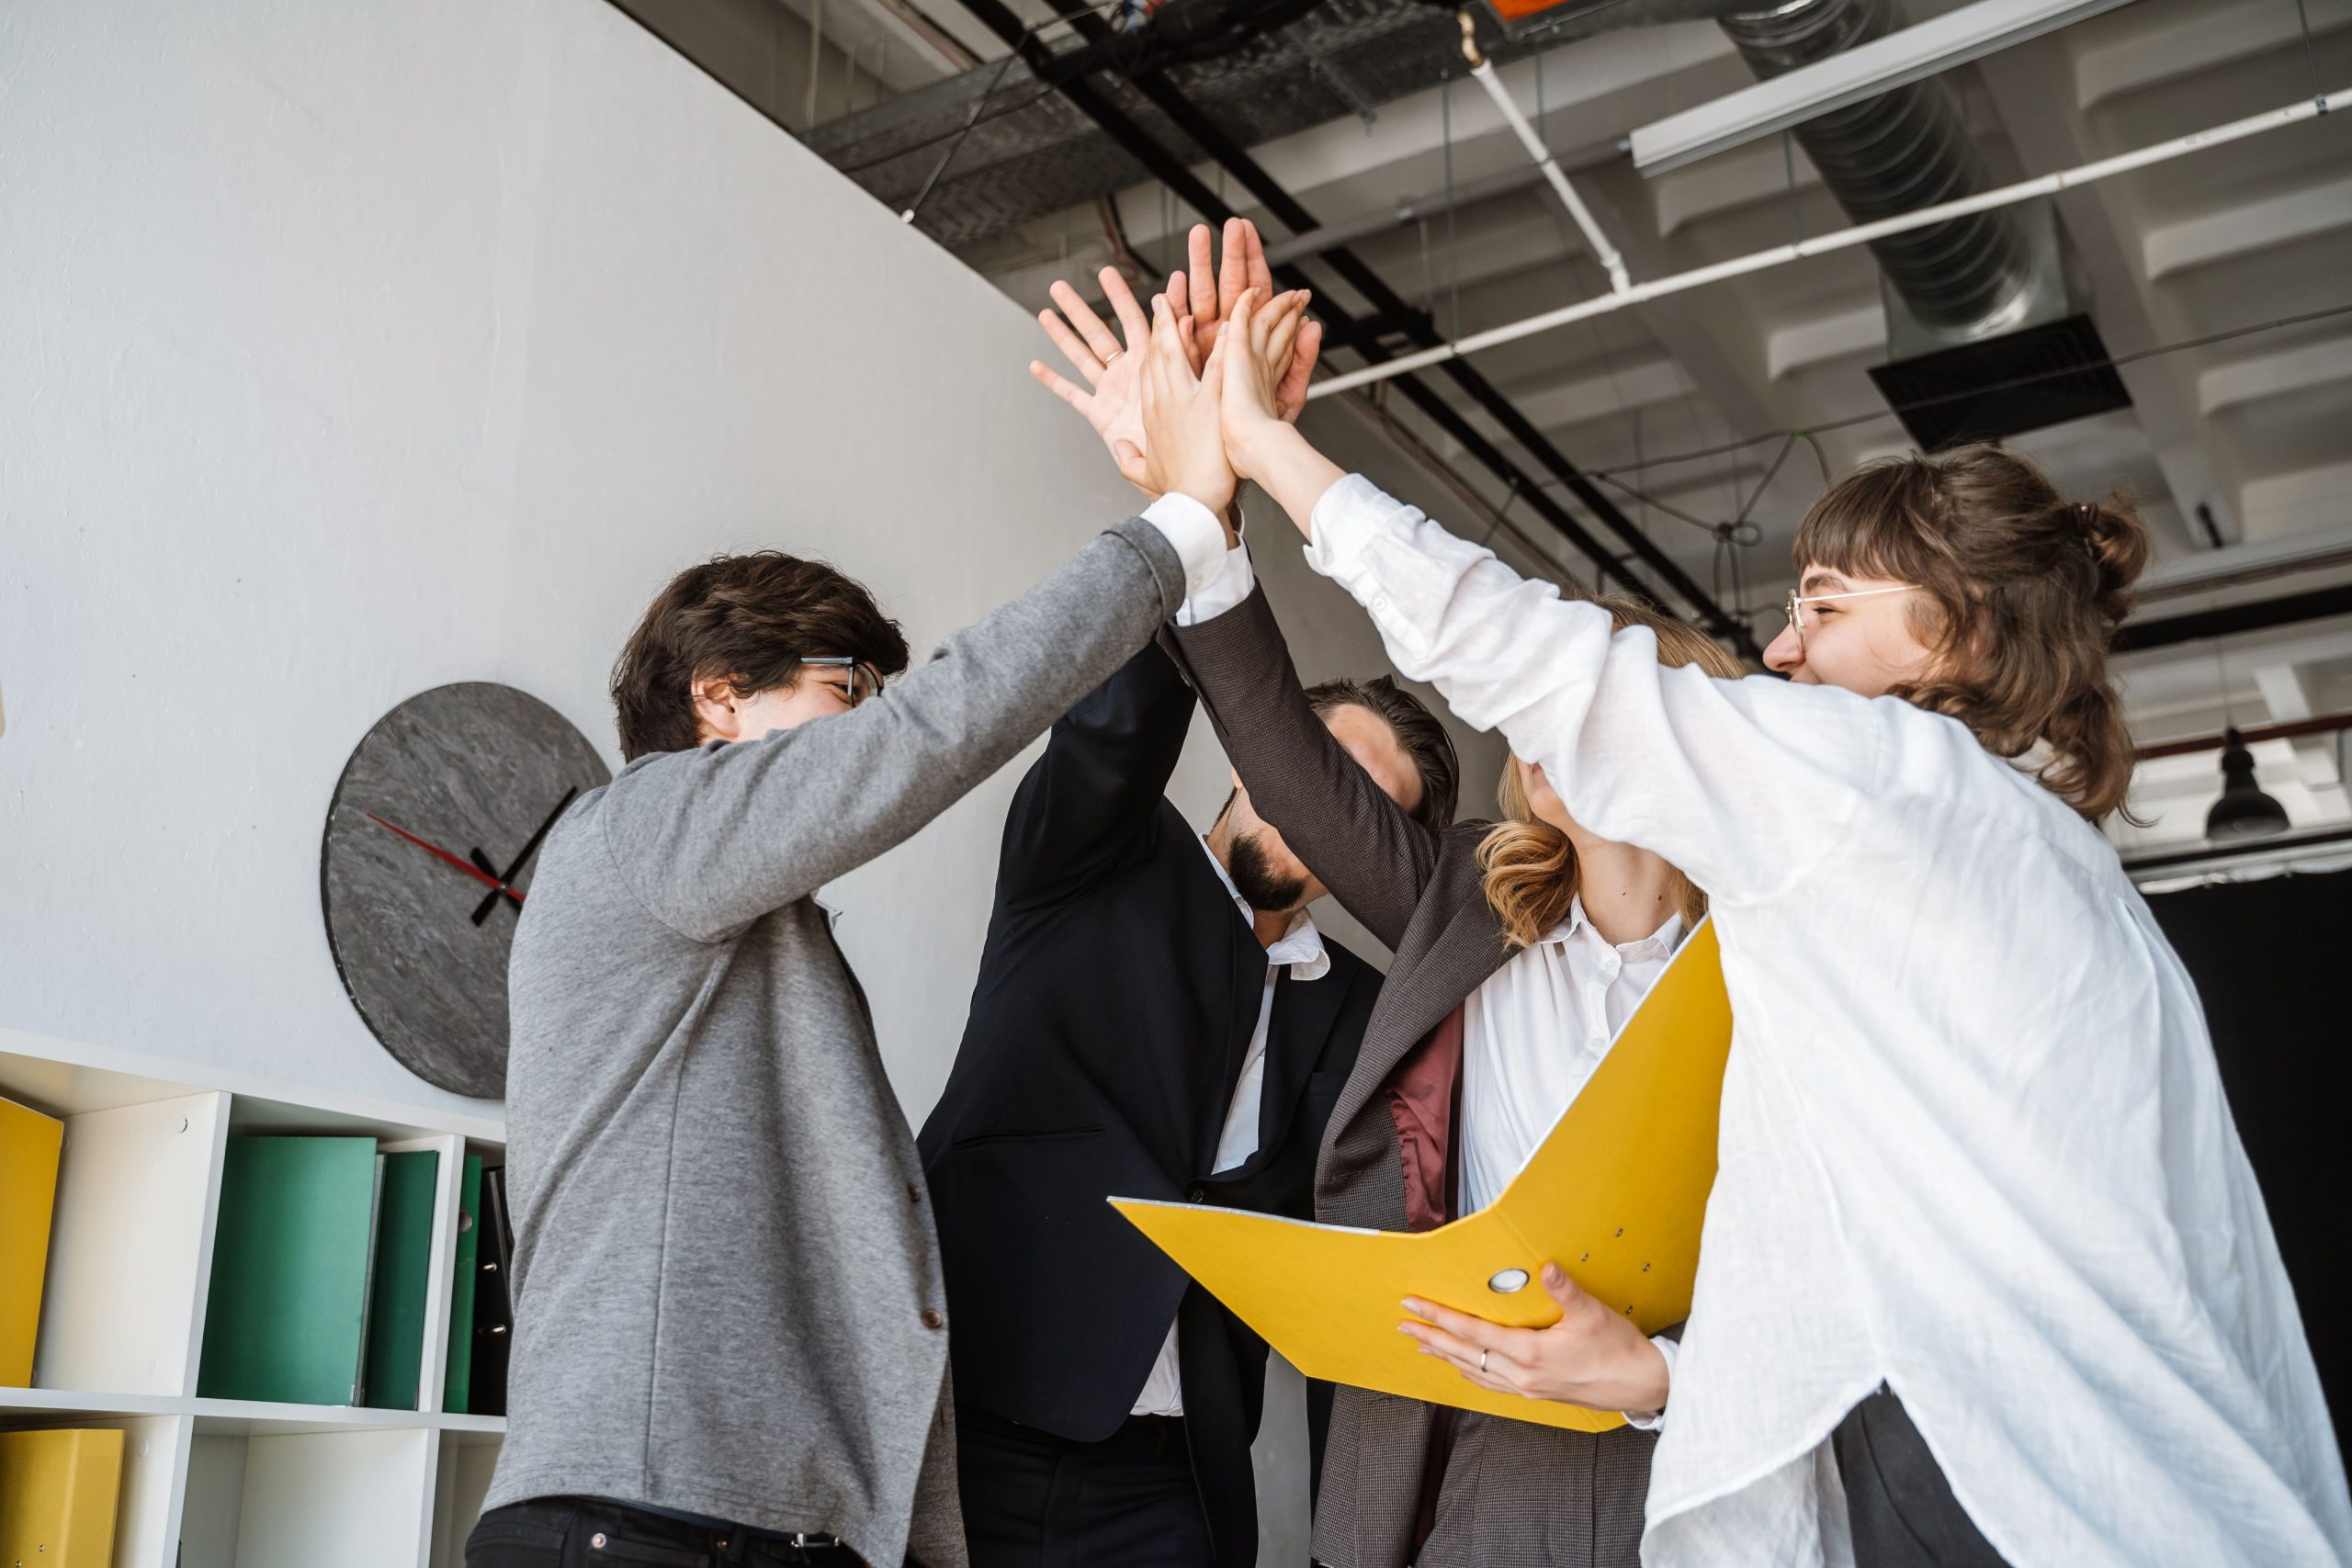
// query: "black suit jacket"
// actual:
[[1116, 998]]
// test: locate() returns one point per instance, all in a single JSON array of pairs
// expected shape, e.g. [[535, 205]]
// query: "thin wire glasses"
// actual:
[[865, 680], [1794, 609]]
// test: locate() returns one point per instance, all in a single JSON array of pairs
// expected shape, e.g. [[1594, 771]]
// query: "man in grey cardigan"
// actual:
[[730, 1335]]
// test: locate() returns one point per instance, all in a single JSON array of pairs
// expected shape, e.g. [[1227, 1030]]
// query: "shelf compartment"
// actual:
[[131, 1246], [356, 1498], [155, 1460]]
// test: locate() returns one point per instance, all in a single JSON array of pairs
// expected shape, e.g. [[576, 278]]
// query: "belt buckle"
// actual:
[[802, 1542]]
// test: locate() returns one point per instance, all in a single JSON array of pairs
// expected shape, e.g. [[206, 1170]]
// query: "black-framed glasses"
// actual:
[[865, 680]]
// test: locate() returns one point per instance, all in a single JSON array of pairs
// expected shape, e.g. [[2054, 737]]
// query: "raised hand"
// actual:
[[1111, 400], [1260, 340], [1182, 450]]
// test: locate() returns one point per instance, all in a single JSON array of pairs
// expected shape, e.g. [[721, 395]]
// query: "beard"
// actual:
[[1254, 876]]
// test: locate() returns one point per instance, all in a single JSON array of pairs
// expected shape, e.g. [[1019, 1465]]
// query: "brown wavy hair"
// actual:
[[1531, 865], [2023, 590]]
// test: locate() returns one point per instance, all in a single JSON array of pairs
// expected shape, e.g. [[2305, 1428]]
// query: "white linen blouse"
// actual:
[[1974, 1142]]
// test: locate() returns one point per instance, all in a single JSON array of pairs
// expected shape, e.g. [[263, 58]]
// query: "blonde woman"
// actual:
[[1521, 946]]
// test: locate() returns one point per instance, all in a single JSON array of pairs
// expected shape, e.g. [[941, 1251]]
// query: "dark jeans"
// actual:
[[1901, 1508], [1033, 1500], [587, 1532]]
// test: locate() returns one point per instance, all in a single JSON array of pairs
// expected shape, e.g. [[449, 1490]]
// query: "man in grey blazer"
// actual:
[[729, 1327]]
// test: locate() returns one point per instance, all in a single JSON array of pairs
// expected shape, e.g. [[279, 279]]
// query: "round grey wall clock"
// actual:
[[426, 865]]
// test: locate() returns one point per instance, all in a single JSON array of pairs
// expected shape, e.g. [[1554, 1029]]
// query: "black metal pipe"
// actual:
[[1212, 141], [2134, 637]]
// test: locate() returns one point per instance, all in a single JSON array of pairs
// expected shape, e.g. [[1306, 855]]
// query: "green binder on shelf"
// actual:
[[404, 1271], [286, 1317], [459, 1373]]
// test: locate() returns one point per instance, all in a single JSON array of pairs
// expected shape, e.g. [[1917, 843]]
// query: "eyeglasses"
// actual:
[[1794, 609], [865, 680]]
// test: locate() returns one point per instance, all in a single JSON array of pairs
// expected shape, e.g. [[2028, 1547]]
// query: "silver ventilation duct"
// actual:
[[1984, 323], [1895, 154]]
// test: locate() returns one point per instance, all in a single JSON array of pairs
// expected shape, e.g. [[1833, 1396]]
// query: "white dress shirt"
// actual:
[[1974, 1140], [1300, 952], [1533, 1035]]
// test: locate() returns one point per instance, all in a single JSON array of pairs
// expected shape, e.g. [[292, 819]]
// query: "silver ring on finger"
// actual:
[[1110, 356], [1482, 1360]]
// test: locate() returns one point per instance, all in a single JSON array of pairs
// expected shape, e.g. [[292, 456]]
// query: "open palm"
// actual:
[[1110, 398]]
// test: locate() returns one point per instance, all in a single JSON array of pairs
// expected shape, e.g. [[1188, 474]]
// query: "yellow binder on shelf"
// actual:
[[58, 1494], [1615, 1195], [28, 1148]]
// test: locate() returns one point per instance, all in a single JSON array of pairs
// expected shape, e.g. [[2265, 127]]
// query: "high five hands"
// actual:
[[1202, 302], [1200, 431]]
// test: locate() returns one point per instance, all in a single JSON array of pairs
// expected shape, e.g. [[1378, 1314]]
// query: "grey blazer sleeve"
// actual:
[[713, 838], [1373, 856]]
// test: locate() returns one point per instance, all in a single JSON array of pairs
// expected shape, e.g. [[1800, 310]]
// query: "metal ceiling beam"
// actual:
[[2137, 636], [1865, 71]]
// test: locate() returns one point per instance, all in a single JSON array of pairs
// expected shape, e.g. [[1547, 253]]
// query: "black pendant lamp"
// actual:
[[2244, 811]]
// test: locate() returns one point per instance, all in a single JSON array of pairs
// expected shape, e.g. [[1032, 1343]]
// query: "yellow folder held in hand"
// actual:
[[1615, 1195]]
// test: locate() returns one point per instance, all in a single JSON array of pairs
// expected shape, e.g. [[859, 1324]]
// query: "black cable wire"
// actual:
[[1808, 432]]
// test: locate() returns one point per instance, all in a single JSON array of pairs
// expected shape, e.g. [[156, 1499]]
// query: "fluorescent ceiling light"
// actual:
[[1864, 72]]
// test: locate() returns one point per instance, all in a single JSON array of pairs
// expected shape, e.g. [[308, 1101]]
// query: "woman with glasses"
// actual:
[[1974, 1152]]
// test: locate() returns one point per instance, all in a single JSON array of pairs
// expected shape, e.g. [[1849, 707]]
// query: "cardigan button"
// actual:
[[914, 1191], [932, 1318], [1197, 1195]]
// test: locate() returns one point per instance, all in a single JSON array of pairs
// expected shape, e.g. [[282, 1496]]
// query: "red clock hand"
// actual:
[[476, 873]]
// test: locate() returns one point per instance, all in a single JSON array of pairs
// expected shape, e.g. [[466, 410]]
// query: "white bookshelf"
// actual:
[[228, 1483]]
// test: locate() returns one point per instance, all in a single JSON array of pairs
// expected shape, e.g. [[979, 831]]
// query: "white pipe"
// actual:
[[1842, 239], [1603, 251]]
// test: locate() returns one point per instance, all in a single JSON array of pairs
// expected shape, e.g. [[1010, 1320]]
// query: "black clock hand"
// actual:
[[489, 902], [482, 860]]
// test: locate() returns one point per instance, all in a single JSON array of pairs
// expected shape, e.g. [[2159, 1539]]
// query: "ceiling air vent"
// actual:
[[2003, 386], [2033, 360]]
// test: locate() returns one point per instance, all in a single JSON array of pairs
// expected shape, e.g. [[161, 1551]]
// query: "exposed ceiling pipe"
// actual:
[[1905, 149], [1595, 240], [1843, 238], [1206, 134]]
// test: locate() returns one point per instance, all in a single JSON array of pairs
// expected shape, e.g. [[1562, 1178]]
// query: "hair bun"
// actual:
[[2119, 546]]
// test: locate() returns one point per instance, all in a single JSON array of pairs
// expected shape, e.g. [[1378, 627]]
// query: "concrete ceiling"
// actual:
[[2255, 432]]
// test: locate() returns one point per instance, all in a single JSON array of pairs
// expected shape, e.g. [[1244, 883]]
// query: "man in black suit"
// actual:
[[1156, 1017]]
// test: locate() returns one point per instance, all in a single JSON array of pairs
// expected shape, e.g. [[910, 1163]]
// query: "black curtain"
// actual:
[[2273, 961]]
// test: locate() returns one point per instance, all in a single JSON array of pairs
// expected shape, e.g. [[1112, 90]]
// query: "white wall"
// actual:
[[352, 350], [355, 349], [346, 350]]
